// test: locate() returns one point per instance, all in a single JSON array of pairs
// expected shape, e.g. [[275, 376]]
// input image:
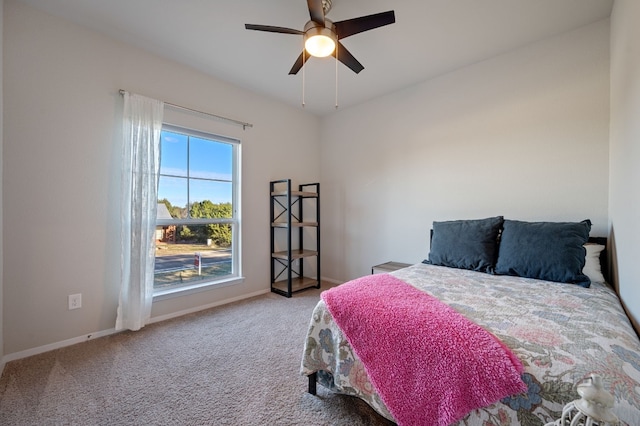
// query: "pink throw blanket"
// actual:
[[430, 365]]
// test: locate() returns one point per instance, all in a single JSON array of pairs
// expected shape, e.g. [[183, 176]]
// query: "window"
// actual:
[[197, 226]]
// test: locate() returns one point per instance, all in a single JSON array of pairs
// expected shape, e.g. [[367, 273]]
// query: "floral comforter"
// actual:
[[562, 333]]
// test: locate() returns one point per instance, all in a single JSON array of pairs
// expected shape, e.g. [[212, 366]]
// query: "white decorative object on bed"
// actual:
[[562, 332], [593, 407]]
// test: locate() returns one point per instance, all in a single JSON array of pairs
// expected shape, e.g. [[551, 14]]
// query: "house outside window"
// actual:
[[197, 224]]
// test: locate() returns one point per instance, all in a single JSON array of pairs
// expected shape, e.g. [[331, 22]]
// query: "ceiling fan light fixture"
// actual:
[[320, 42]]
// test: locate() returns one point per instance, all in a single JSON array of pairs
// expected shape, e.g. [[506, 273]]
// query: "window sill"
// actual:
[[184, 291]]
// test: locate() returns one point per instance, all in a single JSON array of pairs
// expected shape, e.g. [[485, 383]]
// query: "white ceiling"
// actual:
[[429, 38]]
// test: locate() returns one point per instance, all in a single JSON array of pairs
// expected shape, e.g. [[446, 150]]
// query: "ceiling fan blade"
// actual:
[[299, 63], [271, 29], [347, 58], [353, 26], [316, 11]]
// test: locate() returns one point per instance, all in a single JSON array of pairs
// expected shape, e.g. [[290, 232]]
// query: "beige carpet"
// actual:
[[236, 364]]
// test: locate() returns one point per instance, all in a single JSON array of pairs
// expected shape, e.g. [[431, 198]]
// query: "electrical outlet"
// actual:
[[75, 301]]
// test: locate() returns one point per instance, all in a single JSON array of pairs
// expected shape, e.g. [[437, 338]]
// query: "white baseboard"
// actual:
[[203, 307], [331, 280], [90, 336], [57, 345]]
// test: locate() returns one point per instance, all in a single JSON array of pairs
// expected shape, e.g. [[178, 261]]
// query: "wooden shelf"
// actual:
[[297, 284], [295, 254], [303, 194], [293, 224], [288, 228]]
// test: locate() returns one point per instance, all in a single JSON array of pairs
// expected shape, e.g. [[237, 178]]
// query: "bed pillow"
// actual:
[[592, 267], [551, 251], [466, 244]]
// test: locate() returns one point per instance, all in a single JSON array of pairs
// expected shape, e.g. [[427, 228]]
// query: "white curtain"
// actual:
[[141, 164]]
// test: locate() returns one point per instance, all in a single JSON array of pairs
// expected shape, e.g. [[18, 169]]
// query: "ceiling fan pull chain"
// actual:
[[303, 60]]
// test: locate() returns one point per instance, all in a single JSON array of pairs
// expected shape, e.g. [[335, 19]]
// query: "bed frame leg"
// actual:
[[313, 377]]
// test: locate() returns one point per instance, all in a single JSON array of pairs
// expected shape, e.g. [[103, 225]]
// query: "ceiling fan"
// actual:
[[321, 35]]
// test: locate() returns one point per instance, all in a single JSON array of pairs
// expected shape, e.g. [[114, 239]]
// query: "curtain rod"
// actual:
[[208, 114]]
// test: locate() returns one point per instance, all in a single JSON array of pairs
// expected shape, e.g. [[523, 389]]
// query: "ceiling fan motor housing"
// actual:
[[326, 6]]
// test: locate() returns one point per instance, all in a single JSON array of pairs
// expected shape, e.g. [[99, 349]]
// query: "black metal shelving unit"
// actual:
[[290, 250]]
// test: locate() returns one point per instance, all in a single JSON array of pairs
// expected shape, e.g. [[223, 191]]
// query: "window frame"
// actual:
[[236, 265]]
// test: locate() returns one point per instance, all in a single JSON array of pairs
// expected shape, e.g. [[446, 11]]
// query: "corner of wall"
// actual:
[[624, 130], [1, 186]]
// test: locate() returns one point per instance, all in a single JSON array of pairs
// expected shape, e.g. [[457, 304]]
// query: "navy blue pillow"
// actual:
[[466, 244], [551, 251]]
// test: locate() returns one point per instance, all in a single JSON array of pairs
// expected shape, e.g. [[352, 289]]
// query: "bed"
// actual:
[[536, 287]]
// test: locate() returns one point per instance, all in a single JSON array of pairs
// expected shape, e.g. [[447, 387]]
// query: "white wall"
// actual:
[[1, 197], [624, 201], [524, 135], [62, 171]]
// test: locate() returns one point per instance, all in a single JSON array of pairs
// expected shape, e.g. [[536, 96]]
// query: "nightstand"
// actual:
[[388, 267]]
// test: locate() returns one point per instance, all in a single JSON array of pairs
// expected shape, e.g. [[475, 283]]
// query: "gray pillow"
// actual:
[[466, 244], [551, 251]]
